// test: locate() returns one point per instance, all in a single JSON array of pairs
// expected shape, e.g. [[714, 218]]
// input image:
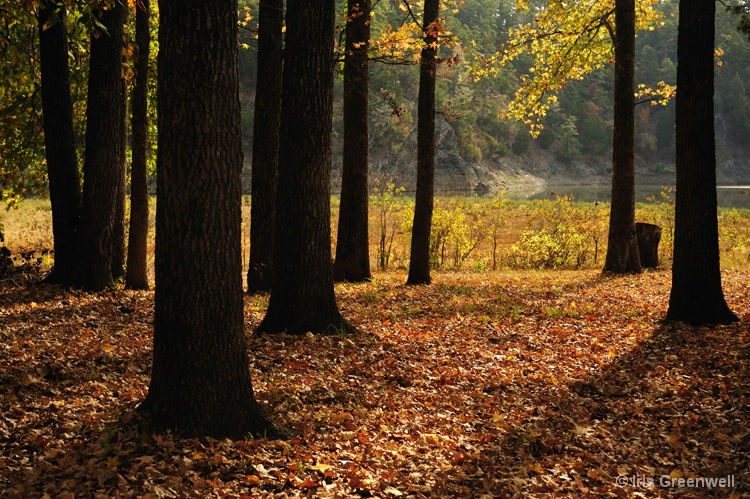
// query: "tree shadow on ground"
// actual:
[[67, 358], [520, 386], [675, 407]]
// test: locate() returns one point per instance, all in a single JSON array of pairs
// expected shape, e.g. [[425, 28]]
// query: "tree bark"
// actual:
[[696, 295], [649, 236], [200, 382], [419, 260], [266, 124], [302, 295], [59, 137], [100, 241], [118, 226], [352, 242], [622, 246], [136, 275]]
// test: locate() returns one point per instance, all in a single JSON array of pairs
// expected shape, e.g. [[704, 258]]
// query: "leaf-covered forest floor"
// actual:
[[524, 384]]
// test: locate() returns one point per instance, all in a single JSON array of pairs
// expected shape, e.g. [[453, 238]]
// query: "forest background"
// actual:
[[474, 146], [575, 146]]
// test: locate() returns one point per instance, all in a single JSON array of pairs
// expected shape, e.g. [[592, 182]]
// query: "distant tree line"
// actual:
[[578, 127]]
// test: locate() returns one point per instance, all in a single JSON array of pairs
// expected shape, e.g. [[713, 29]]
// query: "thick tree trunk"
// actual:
[[622, 246], [696, 295], [419, 261], [136, 276], [59, 138], [100, 241], [266, 124], [352, 242], [200, 382], [302, 295]]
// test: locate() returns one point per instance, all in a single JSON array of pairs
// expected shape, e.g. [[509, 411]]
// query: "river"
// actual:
[[729, 196]]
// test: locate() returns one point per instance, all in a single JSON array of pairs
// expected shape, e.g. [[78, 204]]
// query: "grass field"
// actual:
[[469, 234]]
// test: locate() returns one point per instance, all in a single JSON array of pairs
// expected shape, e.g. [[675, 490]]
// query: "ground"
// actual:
[[489, 384]]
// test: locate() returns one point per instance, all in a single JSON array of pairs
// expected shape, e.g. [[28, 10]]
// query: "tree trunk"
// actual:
[[352, 242], [649, 236], [118, 226], [622, 246], [696, 295], [419, 261], [266, 123], [136, 276], [302, 295], [200, 382], [104, 162], [59, 137]]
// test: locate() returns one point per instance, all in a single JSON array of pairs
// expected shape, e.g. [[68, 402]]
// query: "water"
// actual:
[[729, 196]]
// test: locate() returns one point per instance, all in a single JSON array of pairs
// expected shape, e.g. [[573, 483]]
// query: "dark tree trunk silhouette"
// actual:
[[266, 123], [200, 382], [696, 295], [649, 236], [118, 227], [302, 295], [352, 242], [136, 274], [419, 261], [102, 213], [59, 139], [622, 246]]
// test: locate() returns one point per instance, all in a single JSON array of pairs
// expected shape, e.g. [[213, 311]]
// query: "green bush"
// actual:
[[522, 143], [561, 233], [551, 249], [388, 202], [546, 138], [734, 238], [457, 230]]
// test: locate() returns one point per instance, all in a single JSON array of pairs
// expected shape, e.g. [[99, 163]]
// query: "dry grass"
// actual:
[[29, 229]]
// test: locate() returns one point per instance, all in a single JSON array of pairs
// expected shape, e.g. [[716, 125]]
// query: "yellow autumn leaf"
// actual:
[[339, 417], [430, 439], [319, 467]]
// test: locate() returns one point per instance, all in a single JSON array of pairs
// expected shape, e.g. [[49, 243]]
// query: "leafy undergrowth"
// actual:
[[496, 385]]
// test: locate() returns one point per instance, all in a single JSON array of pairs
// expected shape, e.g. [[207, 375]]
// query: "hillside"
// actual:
[[477, 148], [534, 168]]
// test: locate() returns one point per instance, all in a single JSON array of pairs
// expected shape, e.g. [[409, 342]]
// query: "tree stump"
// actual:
[[649, 236]]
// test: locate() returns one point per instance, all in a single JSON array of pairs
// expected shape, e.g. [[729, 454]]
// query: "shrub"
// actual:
[[560, 233], [386, 202], [734, 238], [457, 230], [522, 143]]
